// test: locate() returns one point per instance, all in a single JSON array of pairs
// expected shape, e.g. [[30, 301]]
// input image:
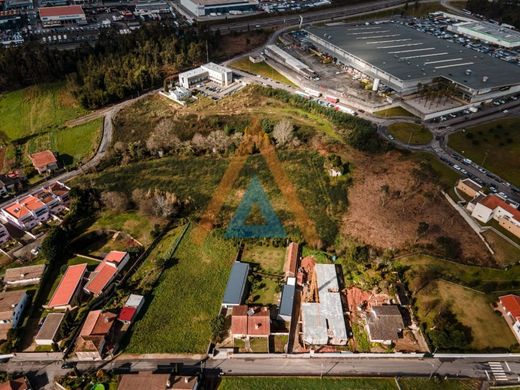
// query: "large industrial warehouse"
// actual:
[[404, 58], [208, 7]]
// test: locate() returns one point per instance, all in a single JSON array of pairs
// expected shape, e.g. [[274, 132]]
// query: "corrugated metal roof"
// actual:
[[287, 302], [236, 284]]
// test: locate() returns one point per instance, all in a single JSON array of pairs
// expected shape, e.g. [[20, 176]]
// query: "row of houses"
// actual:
[[485, 208], [31, 210]]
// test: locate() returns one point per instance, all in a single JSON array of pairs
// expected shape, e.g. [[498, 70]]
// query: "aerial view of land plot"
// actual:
[[494, 145]]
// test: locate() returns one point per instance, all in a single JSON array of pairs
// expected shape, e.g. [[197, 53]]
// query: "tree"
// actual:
[[449, 246], [422, 228], [163, 138], [115, 201], [448, 333], [218, 327], [283, 132]]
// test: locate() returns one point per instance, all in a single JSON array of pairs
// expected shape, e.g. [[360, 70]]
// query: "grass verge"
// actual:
[[262, 69], [394, 112], [410, 133]]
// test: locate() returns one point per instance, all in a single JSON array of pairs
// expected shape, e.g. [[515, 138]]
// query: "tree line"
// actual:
[[503, 11], [118, 66]]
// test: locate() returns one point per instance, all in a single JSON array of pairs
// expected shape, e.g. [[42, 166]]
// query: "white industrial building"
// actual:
[[488, 32], [324, 322], [210, 71], [284, 58], [214, 7]]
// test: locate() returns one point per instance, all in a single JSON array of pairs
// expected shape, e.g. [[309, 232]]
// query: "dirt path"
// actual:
[[89, 117]]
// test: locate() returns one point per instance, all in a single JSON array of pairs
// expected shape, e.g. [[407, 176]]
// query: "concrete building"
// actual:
[[210, 71], [4, 234], [402, 58], [180, 94], [23, 276], [49, 332], [486, 208], [236, 285], [488, 32], [58, 16], [213, 7], [12, 305], [18, 4], [469, 187], [324, 321]]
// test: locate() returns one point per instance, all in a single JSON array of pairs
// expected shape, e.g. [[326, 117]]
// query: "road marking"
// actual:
[[439, 61], [389, 41], [507, 365], [401, 45], [498, 371], [425, 55]]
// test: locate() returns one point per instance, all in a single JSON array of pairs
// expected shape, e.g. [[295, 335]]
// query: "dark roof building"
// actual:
[[402, 57], [385, 324], [48, 333], [285, 310], [236, 285]]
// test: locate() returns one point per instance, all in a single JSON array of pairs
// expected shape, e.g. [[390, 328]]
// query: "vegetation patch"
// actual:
[[410, 133], [493, 145], [394, 112], [179, 311], [304, 383], [262, 69], [36, 109]]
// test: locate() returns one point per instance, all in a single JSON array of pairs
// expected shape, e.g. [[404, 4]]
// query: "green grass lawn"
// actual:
[[36, 109], [261, 68], [278, 343], [410, 133], [74, 145], [394, 112], [81, 260], [270, 258], [428, 384], [306, 383], [259, 344], [189, 295], [139, 226], [267, 294], [494, 145]]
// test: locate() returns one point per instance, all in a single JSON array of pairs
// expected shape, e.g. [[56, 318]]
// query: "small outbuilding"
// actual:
[[236, 285]]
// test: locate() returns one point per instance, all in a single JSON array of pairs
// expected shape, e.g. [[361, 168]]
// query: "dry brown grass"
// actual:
[[390, 221]]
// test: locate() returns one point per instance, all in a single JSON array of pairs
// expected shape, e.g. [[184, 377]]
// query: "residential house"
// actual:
[[484, 209], [250, 321], [24, 276], [66, 295], [4, 234], [9, 184], [184, 383], [44, 162], [26, 213], [54, 196], [133, 305], [106, 272], [95, 335], [385, 324], [49, 333], [469, 187], [21, 383], [291, 260], [285, 310], [509, 305], [12, 305], [236, 285]]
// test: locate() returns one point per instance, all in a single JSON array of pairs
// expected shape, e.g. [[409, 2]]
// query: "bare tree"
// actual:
[[218, 141], [283, 132], [114, 200], [163, 138]]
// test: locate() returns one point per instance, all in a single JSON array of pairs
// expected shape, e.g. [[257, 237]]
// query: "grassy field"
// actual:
[[177, 319], [447, 176], [410, 133], [328, 383], [270, 258], [494, 145], [261, 68], [131, 222], [394, 112], [472, 308], [505, 253], [36, 109], [74, 145]]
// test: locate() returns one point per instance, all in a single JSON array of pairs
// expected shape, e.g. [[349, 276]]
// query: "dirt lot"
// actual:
[[388, 217]]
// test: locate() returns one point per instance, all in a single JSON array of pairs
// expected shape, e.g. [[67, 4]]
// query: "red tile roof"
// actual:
[[115, 256], [257, 324], [493, 201], [512, 304], [61, 11], [127, 314], [100, 278], [291, 260], [42, 159], [98, 323], [68, 285], [24, 206]]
